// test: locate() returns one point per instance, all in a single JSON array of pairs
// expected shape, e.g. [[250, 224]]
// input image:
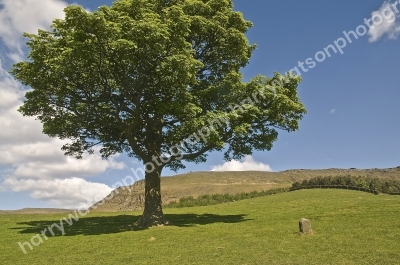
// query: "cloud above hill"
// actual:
[[389, 16], [31, 162], [246, 164], [70, 193]]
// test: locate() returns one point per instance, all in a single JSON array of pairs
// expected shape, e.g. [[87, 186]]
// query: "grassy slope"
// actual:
[[36, 211], [199, 183], [350, 228]]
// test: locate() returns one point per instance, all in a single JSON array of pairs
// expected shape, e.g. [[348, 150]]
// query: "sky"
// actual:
[[347, 53]]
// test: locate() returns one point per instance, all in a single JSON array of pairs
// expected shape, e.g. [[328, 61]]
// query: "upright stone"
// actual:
[[305, 225]]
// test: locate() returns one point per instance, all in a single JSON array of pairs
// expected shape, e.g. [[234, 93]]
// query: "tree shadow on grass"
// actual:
[[117, 224], [187, 220]]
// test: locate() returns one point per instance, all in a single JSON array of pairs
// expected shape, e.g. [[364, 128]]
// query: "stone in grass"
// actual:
[[305, 225]]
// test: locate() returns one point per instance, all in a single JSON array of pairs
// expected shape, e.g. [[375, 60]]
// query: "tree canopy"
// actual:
[[157, 79]]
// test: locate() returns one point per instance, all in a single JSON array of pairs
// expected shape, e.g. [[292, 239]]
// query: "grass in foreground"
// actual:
[[350, 227]]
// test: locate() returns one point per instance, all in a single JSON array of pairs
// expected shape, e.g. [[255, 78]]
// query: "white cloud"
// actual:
[[333, 111], [247, 164], [30, 161], [43, 166], [10, 93], [19, 16], [385, 21], [66, 193]]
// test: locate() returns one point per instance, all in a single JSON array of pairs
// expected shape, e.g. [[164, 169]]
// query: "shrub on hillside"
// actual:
[[212, 199], [371, 183]]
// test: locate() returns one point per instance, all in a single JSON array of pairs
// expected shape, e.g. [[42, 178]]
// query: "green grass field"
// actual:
[[350, 227]]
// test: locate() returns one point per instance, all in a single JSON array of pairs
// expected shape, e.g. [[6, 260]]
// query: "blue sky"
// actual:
[[351, 98]]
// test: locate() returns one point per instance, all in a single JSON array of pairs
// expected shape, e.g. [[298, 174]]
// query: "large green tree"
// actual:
[[157, 79]]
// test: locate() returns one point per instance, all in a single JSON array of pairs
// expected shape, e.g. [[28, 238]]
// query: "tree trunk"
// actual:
[[153, 214]]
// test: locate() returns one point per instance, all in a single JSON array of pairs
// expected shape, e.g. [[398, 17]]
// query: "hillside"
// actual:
[[349, 227], [199, 183]]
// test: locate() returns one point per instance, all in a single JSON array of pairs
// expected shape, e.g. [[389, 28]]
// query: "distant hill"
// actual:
[[199, 183]]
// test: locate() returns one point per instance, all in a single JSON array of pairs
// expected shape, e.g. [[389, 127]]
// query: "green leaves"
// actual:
[[142, 76]]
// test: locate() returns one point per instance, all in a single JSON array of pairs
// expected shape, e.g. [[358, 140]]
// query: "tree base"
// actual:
[[151, 220]]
